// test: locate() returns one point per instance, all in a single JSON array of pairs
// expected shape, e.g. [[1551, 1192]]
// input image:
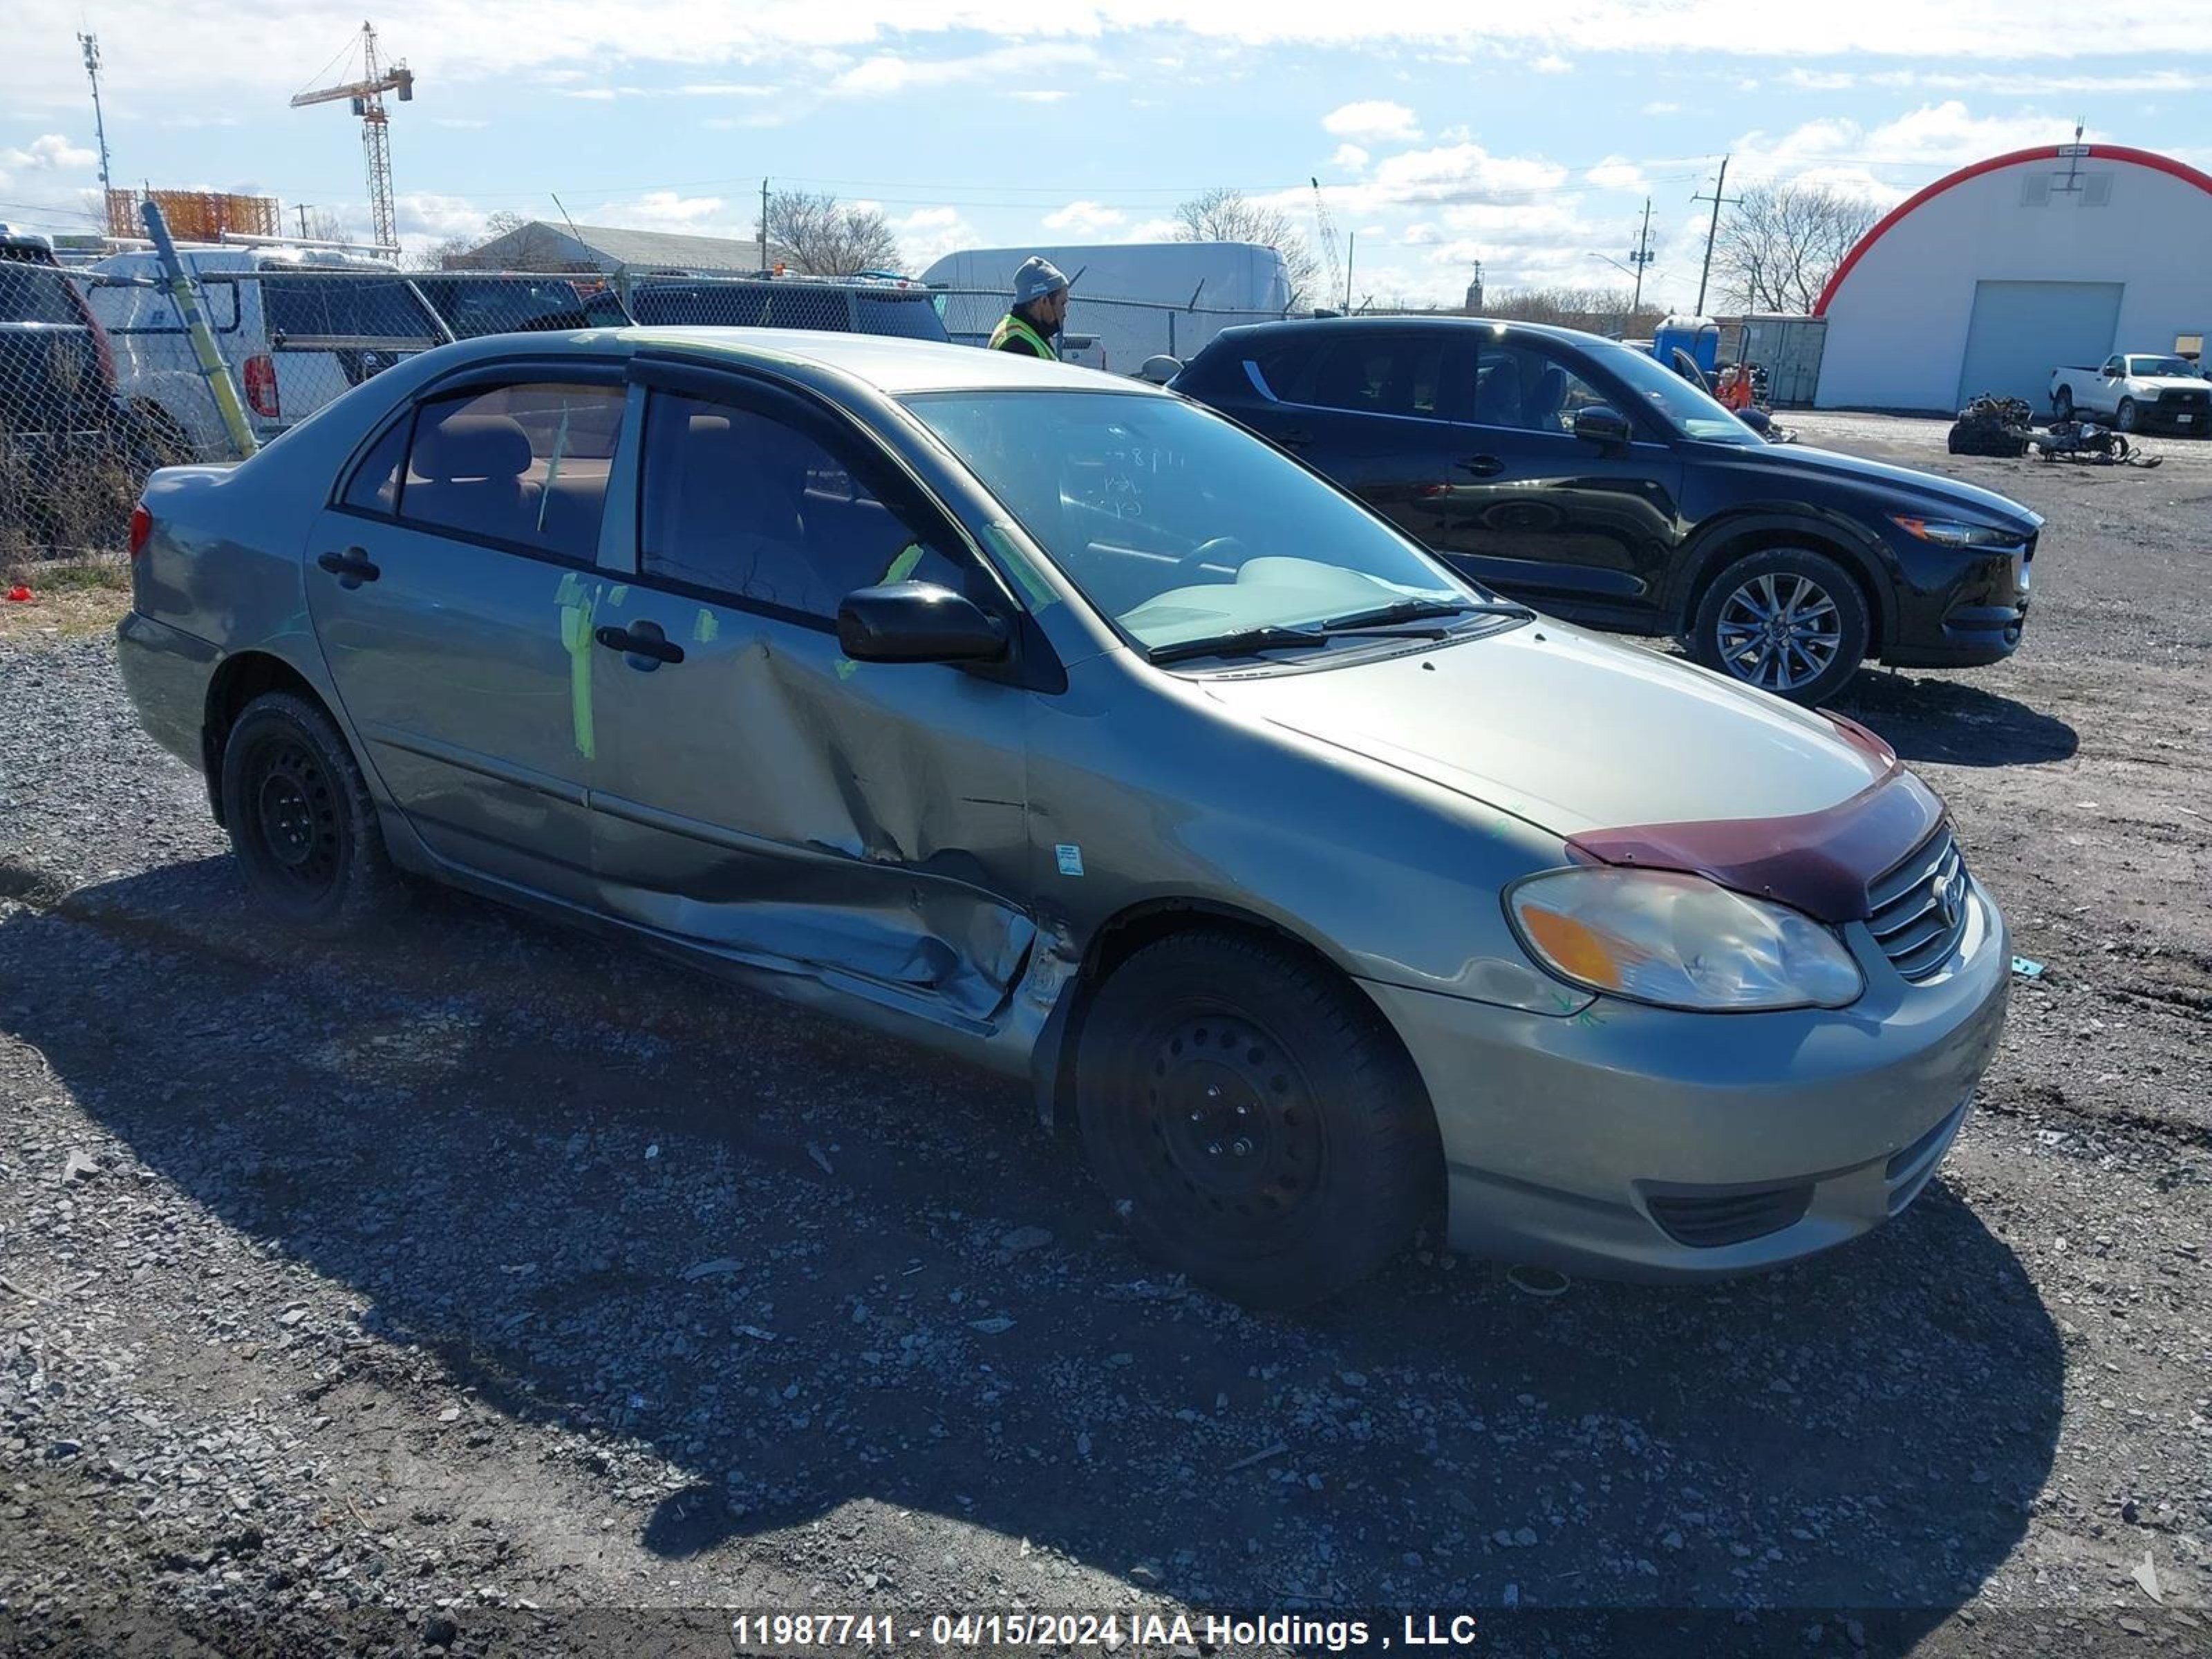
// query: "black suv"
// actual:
[[1580, 475], [906, 311]]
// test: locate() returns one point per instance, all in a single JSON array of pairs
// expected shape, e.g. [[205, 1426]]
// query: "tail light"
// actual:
[[261, 385], [142, 527]]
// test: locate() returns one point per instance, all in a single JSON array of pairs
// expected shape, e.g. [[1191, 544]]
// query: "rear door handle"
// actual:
[[642, 639], [351, 567], [1483, 466]]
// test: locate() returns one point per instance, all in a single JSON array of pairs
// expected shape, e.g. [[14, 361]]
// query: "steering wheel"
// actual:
[[1186, 567]]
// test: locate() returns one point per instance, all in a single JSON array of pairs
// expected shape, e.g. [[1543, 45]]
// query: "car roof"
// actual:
[[890, 364], [1330, 327]]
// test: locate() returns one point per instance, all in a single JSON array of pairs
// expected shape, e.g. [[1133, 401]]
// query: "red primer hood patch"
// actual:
[[1818, 862]]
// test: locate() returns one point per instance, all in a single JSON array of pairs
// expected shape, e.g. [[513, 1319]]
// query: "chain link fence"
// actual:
[[100, 385]]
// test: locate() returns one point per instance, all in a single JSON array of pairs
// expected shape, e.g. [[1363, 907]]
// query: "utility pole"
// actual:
[[1712, 232], [764, 240], [91, 45], [1643, 257], [301, 209]]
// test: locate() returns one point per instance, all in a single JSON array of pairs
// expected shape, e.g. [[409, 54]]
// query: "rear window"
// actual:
[[345, 308], [36, 294], [906, 315]]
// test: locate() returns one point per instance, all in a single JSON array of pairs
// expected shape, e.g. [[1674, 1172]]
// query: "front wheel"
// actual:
[[2062, 404], [1788, 621], [300, 819], [1254, 1119], [2125, 416]]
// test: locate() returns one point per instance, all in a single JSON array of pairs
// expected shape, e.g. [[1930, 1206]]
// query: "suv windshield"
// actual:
[[1686, 408], [1173, 522]]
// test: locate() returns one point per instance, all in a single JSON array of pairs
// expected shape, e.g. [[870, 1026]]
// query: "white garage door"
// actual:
[[2023, 331]]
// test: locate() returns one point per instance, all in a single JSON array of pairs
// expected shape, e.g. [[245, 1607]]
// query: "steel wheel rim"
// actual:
[[1780, 631], [1231, 1130], [296, 817], [2127, 417]]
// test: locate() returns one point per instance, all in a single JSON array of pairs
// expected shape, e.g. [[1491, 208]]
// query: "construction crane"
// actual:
[[1327, 232], [367, 95]]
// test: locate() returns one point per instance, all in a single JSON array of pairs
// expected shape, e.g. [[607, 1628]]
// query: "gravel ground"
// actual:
[[414, 1293]]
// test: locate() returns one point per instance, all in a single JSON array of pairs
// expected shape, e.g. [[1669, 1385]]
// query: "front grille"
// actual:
[[2180, 401], [1706, 1224], [1917, 910]]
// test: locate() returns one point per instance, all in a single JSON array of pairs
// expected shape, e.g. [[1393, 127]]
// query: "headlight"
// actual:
[[1949, 533], [1679, 941]]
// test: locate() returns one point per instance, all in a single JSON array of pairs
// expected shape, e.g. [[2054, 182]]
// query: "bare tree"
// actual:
[[1597, 310], [821, 236], [1226, 215], [1781, 243]]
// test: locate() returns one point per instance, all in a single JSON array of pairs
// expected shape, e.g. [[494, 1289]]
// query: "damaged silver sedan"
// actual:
[[1057, 721]]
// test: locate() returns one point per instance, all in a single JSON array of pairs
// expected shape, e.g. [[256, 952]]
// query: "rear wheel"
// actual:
[[300, 819], [2062, 404], [1254, 1118], [2124, 418], [1788, 621]]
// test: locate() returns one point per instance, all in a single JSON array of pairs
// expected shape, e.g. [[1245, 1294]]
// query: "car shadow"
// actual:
[[1952, 723], [810, 1271]]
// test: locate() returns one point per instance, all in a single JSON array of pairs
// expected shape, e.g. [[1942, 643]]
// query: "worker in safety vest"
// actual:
[[1735, 391], [1039, 309]]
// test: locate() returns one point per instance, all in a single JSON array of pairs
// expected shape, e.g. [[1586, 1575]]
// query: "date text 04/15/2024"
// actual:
[[1129, 1635]]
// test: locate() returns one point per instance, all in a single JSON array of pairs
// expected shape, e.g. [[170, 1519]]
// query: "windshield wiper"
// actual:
[[1404, 611], [1240, 642]]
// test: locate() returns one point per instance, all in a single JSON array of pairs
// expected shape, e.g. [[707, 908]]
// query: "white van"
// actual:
[[298, 326]]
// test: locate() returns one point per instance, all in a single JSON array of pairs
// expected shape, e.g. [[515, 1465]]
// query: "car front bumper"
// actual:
[[1631, 1142]]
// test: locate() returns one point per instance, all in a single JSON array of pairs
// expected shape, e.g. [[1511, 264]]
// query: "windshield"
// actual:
[[1686, 408], [2154, 366], [1173, 522]]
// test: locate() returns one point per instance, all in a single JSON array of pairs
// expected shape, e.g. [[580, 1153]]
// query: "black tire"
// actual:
[[2062, 404], [1206, 1042], [2124, 417], [1719, 639], [300, 819]]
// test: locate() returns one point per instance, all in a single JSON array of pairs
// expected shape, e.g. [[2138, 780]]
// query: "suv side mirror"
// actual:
[[1605, 427], [1160, 369], [917, 622]]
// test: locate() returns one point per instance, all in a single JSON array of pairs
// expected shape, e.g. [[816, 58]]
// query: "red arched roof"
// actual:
[[2142, 158]]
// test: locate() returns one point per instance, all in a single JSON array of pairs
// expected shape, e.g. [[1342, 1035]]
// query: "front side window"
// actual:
[[1520, 388], [524, 465], [1689, 410], [740, 504], [1173, 522]]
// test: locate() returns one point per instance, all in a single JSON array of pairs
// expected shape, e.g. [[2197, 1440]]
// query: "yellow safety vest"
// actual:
[[1011, 327]]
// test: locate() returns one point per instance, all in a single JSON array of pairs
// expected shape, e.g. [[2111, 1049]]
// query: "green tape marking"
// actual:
[[577, 601], [706, 626]]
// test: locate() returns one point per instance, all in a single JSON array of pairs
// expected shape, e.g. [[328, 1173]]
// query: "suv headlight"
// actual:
[[1679, 941], [1949, 533]]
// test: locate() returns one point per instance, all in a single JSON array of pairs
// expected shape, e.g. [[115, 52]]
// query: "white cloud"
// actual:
[[1551, 63], [1084, 219], [665, 210], [50, 153], [887, 72], [1039, 94], [1349, 157], [928, 235], [1661, 107], [1374, 119], [1616, 173]]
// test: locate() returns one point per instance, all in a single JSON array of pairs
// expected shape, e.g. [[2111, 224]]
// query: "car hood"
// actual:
[[1900, 485], [1571, 733]]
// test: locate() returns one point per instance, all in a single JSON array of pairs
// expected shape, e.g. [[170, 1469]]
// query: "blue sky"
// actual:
[[1525, 136]]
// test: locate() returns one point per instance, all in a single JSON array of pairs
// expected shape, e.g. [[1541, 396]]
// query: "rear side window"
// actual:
[[344, 308], [525, 465], [36, 294], [1282, 370], [740, 504], [905, 314], [375, 485], [1396, 376]]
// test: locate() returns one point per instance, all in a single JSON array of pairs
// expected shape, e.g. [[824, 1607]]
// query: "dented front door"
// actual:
[[758, 793]]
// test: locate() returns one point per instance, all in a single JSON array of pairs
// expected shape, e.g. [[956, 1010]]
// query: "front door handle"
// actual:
[[351, 567], [642, 639], [1483, 466]]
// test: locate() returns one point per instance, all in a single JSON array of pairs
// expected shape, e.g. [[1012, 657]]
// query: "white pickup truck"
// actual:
[[2134, 391]]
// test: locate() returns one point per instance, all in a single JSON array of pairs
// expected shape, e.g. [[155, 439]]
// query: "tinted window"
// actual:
[[36, 294], [909, 314], [1282, 368], [740, 504], [344, 308], [526, 464], [1401, 375], [375, 486], [1518, 387]]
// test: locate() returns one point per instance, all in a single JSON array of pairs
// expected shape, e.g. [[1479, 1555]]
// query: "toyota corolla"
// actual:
[[1055, 720]]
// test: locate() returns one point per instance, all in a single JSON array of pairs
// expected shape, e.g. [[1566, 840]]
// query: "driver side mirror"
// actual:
[[917, 622], [1607, 427]]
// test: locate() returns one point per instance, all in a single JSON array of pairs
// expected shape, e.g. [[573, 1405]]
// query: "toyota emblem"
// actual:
[[1953, 900]]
